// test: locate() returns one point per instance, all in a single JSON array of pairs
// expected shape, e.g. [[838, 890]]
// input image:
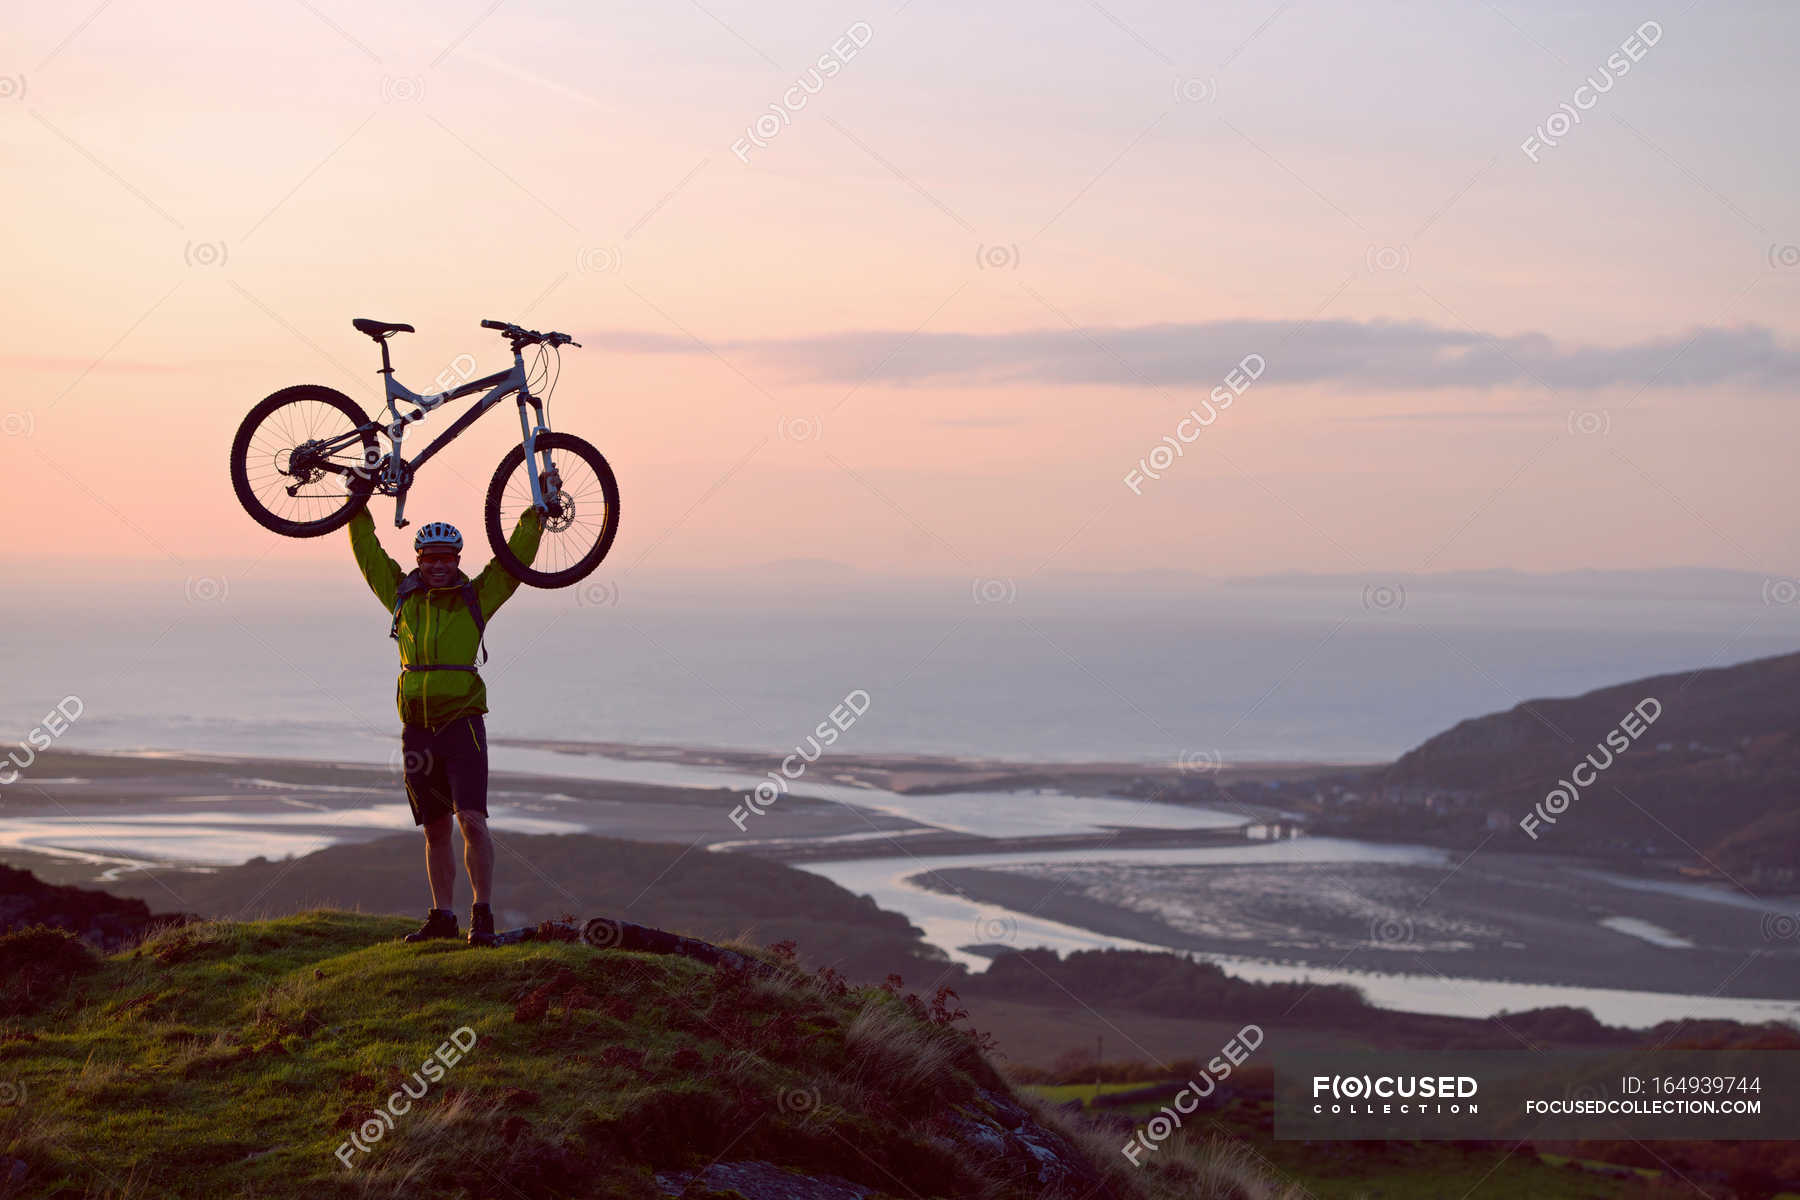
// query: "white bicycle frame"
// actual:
[[501, 382]]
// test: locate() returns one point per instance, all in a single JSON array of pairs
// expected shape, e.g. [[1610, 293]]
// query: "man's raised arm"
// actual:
[[382, 573], [494, 585]]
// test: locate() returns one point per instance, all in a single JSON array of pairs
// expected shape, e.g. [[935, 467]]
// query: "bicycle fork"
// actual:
[[529, 435]]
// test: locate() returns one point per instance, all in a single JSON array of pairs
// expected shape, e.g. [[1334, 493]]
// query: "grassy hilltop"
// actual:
[[227, 1059], [718, 896]]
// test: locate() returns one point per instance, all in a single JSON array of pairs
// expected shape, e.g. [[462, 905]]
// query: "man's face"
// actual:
[[438, 566]]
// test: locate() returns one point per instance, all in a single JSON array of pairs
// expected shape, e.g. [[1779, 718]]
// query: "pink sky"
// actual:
[[1034, 212]]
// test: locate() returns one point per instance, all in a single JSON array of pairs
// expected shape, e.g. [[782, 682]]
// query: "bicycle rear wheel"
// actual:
[[583, 517], [285, 478]]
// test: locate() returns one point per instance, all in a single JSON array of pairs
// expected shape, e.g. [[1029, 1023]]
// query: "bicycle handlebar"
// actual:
[[529, 337]]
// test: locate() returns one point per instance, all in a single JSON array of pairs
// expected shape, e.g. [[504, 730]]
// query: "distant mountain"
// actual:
[[1654, 580], [1704, 763]]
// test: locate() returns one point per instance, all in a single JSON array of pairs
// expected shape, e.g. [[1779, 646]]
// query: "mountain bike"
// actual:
[[307, 459]]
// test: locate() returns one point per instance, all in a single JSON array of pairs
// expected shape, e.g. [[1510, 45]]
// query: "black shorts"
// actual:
[[446, 768]]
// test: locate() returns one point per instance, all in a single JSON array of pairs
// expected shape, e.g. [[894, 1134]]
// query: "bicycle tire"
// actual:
[[583, 567], [356, 495]]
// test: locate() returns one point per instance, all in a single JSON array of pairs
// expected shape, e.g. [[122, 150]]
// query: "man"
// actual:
[[441, 698]]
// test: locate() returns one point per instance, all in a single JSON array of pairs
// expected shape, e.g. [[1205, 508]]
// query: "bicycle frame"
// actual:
[[395, 473]]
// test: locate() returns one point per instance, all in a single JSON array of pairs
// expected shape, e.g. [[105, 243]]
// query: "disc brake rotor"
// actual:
[[560, 508]]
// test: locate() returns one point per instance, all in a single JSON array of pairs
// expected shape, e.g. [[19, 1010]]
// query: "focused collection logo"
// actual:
[[1403, 1095]]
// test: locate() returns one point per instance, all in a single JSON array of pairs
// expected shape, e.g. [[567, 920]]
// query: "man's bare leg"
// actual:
[[440, 867], [478, 854]]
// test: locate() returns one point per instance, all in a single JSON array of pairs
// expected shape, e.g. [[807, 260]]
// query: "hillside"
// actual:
[[708, 895], [1717, 770], [253, 1059], [724, 896], [98, 918]]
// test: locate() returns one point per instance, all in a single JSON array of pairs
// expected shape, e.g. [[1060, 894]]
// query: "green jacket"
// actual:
[[436, 626]]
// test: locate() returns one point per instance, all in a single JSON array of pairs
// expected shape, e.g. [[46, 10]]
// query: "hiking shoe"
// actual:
[[481, 926], [439, 923]]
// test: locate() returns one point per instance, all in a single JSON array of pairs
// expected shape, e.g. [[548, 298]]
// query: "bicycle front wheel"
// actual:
[[583, 516], [299, 464]]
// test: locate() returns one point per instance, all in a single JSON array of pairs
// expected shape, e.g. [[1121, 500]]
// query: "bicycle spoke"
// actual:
[[271, 447], [559, 549]]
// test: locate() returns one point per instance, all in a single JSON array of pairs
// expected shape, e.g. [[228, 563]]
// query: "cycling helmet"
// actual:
[[438, 533]]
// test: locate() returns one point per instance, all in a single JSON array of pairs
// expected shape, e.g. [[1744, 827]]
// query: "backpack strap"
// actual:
[[408, 586], [473, 599], [413, 583]]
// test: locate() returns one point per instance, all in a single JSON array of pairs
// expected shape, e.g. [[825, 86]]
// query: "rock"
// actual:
[[1042, 1154], [606, 933], [99, 918]]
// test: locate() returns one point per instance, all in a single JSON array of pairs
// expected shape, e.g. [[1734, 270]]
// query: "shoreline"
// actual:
[[925, 774], [244, 806], [85, 816], [903, 774], [1547, 941], [819, 820], [946, 843]]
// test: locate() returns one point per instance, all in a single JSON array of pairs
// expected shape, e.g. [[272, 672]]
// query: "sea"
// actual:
[[1317, 669]]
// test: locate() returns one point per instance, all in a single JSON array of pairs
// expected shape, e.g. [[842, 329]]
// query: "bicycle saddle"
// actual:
[[378, 329]]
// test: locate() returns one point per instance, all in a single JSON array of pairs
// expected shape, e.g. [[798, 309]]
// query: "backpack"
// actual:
[[413, 583]]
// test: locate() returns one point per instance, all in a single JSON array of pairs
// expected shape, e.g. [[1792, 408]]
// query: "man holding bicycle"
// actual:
[[304, 462], [439, 615]]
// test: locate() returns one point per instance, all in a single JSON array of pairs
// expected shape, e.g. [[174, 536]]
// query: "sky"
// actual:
[[936, 313]]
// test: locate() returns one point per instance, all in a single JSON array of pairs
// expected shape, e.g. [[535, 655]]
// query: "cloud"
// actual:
[[1385, 355]]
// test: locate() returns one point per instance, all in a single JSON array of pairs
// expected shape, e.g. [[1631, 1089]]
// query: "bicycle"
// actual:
[[312, 437]]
